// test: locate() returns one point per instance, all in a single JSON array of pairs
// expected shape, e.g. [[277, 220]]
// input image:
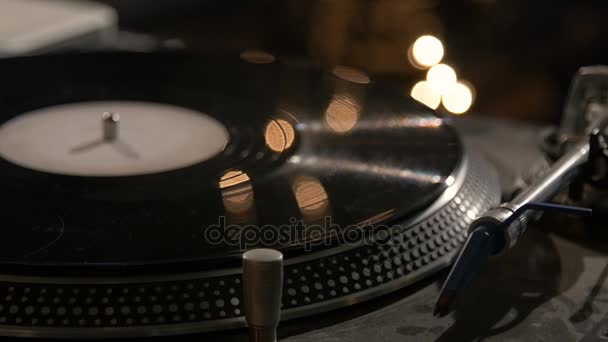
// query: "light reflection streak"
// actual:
[[366, 168], [394, 123], [382, 217]]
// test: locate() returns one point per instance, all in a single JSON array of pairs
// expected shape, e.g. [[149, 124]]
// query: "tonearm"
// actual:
[[581, 140]]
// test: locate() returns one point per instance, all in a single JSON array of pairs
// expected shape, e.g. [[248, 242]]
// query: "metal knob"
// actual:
[[262, 290]]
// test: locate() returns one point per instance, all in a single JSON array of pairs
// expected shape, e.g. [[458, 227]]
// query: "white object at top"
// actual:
[[30, 26]]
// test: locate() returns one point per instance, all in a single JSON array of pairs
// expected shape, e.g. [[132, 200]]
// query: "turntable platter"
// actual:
[[69, 139], [299, 145]]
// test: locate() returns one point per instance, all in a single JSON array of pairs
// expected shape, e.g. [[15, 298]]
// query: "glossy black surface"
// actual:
[[305, 144]]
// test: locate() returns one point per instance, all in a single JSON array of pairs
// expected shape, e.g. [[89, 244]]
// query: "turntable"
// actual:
[[172, 193], [133, 183]]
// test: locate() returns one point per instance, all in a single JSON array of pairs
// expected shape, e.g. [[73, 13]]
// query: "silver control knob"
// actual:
[[262, 291]]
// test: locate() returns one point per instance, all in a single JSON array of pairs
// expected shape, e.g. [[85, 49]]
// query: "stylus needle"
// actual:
[[478, 247]]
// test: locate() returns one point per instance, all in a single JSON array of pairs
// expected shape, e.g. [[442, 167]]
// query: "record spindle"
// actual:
[[262, 290]]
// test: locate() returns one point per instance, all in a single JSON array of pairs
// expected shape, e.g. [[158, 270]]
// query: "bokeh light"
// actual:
[[422, 92], [342, 113], [279, 135], [257, 56], [310, 195], [237, 195], [458, 99], [441, 78], [426, 51], [232, 178], [351, 74]]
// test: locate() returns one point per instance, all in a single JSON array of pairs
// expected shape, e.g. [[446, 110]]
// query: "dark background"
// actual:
[[519, 54]]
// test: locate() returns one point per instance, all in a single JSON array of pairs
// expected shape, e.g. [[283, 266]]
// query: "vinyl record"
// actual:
[[208, 150]]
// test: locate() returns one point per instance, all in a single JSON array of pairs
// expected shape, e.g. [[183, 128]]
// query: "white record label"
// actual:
[[148, 138]]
